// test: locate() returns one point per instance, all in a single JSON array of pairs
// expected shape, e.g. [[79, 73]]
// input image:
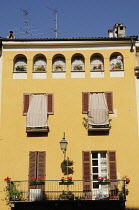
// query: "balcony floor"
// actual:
[[70, 204]]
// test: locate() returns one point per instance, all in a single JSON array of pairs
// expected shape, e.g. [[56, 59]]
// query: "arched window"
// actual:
[[96, 62], [20, 64], [40, 63], [77, 63], [59, 63], [116, 61]]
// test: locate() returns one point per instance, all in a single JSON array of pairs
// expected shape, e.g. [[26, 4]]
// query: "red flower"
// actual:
[[7, 179], [40, 179], [69, 178], [100, 179], [127, 180], [62, 179]]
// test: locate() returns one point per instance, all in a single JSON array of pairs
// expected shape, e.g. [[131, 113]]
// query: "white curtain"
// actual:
[[98, 110], [37, 112]]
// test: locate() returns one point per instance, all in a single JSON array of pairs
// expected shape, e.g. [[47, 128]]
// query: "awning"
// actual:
[[98, 110], [37, 112]]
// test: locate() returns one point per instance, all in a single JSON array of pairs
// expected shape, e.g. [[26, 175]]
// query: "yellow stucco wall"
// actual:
[[123, 136]]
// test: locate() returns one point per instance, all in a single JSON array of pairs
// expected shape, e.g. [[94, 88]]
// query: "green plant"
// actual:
[[58, 66], [97, 67], [68, 162], [78, 67], [20, 68], [40, 68], [85, 122], [12, 190], [35, 181]]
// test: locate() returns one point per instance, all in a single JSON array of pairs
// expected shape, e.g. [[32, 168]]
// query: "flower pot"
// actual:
[[58, 69], [103, 183], [66, 183], [116, 68], [37, 183], [97, 69]]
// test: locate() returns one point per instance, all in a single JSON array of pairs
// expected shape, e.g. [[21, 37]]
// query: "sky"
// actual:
[[75, 18]]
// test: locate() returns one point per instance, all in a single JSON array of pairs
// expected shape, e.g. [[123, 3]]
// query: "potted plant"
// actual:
[[127, 180], [97, 67], [103, 181], [118, 64], [66, 181], [12, 191], [20, 68], [35, 181], [78, 67], [68, 162], [40, 68], [58, 67]]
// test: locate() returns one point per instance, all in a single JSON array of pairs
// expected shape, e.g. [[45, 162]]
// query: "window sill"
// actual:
[[77, 70], [99, 128], [41, 129], [116, 69], [39, 72], [96, 70], [19, 72], [58, 71]]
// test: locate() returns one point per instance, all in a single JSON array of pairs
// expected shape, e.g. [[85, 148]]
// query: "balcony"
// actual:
[[51, 194], [75, 190]]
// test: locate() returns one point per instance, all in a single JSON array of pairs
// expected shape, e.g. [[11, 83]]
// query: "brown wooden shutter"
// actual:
[[85, 102], [50, 103], [109, 99], [112, 165], [86, 171], [113, 175], [26, 98], [32, 165], [41, 165]]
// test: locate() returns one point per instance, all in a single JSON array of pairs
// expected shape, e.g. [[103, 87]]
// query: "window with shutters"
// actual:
[[37, 107], [98, 106], [37, 160], [98, 164]]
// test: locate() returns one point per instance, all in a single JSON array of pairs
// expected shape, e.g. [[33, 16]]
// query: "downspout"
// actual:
[[132, 45]]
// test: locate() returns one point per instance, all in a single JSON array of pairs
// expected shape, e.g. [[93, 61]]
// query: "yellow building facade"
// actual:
[[50, 87]]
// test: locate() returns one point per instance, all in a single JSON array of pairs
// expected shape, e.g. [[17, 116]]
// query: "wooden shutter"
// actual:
[[37, 167], [86, 170], [26, 99], [41, 165], [32, 165], [113, 175], [85, 102], [109, 99], [112, 165], [50, 97]]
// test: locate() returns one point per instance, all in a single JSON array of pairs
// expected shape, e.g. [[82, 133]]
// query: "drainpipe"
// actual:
[[132, 45]]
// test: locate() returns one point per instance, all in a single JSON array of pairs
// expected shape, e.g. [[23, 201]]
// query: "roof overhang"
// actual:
[[70, 42]]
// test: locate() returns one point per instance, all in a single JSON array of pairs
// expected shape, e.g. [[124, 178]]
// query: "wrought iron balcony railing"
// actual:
[[69, 190]]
